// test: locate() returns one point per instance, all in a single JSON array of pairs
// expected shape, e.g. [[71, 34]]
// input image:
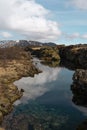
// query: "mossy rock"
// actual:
[[49, 54]]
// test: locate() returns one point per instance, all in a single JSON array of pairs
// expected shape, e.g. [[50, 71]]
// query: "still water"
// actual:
[[47, 102]]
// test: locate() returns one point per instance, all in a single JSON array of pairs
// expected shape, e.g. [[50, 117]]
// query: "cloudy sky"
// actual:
[[60, 21]]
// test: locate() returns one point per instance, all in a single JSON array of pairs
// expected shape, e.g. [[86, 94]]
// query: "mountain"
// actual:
[[23, 43], [8, 43]]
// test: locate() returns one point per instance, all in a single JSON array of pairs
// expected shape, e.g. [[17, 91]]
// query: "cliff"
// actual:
[[76, 54]]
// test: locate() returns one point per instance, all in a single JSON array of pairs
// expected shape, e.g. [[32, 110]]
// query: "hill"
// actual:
[[23, 43]]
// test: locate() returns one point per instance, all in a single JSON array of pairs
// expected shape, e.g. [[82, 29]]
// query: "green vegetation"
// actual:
[[49, 54], [14, 64]]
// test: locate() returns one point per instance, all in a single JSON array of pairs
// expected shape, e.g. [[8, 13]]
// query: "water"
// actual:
[[47, 102]]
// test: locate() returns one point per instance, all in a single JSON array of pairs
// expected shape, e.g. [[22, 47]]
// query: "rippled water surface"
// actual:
[[47, 102]]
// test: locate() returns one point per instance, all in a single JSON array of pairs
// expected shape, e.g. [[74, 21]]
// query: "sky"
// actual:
[[59, 21]]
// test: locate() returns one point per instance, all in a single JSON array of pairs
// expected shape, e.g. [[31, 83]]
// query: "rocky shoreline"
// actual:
[[79, 87], [16, 63], [12, 69], [48, 55], [76, 54], [75, 57]]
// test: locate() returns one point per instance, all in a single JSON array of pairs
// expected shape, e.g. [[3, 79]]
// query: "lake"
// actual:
[[46, 103]]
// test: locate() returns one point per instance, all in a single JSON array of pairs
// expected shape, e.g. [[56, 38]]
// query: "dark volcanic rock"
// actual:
[[75, 53], [47, 54], [34, 117], [80, 75], [79, 87], [82, 126]]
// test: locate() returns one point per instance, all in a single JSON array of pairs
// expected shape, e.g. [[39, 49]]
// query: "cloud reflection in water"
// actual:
[[37, 86]]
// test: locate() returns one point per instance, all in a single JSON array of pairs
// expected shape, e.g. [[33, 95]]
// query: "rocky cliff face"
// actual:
[[79, 87], [76, 54], [79, 91], [48, 55]]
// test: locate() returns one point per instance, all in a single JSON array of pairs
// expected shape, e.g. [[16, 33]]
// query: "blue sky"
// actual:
[[71, 19], [60, 21]]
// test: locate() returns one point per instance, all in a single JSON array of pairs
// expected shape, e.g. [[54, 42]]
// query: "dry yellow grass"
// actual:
[[36, 48], [77, 48], [2, 129], [14, 64]]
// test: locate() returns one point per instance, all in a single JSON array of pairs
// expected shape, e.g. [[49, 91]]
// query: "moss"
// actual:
[[47, 54]]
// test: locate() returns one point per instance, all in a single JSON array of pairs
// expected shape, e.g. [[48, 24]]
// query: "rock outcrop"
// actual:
[[47, 53], [16, 63], [79, 87], [77, 54]]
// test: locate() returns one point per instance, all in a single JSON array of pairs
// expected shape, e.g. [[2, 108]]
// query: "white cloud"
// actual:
[[75, 36], [6, 34], [72, 36], [84, 36], [81, 4], [28, 18]]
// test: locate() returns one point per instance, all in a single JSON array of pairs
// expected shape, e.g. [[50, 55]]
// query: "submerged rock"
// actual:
[[82, 126], [34, 117]]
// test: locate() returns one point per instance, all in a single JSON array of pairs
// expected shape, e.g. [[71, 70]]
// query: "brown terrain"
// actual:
[[75, 54], [14, 64]]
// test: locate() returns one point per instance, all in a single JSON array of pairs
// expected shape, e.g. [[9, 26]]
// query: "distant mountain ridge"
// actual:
[[23, 43]]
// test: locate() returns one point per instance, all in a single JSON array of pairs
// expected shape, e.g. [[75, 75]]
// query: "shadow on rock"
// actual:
[[79, 90], [79, 87], [82, 126]]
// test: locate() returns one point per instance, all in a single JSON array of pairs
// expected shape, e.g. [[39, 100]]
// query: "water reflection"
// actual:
[[33, 116], [79, 94], [51, 107], [79, 87], [81, 108], [79, 90], [37, 86]]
